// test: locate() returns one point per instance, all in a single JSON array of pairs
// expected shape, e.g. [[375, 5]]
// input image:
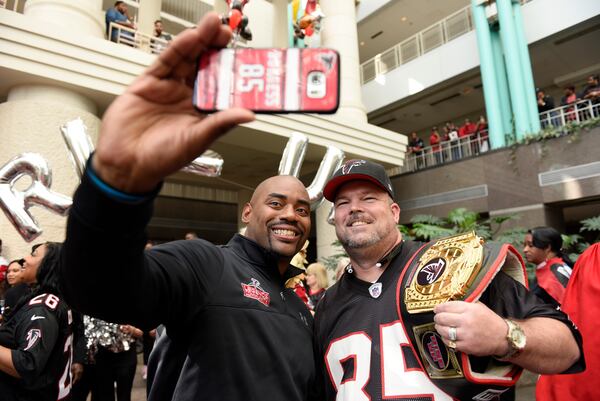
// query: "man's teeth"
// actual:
[[359, 223], [287, 233]]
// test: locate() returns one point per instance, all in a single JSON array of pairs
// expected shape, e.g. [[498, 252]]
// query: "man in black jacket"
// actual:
[[244, 335]]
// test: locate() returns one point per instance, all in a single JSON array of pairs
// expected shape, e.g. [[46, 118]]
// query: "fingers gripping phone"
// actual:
[[268, 80]]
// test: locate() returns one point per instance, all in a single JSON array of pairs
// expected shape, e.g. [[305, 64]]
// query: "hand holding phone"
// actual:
[[268, 80]]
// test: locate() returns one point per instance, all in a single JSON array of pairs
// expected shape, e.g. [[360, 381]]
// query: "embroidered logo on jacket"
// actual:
[[253, 290], [33, 336]]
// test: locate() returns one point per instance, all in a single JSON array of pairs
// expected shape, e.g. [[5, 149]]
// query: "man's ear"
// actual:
[[396, 211], [246, 212]]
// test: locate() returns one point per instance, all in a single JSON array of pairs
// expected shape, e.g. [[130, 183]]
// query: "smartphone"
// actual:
[[268, 80]]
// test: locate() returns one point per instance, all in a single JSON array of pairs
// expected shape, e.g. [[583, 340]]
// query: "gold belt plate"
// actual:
[[439, 361], [444, 272]]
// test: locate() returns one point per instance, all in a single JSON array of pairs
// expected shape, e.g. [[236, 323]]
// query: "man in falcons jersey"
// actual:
[[363, 335], [36, 342]]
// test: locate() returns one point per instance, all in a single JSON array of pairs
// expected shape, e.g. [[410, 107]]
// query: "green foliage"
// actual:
[[591, 224], [331, 262], [513, 236], [424, 227]]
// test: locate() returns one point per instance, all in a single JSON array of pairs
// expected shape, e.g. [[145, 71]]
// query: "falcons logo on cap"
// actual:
[[351, 164]]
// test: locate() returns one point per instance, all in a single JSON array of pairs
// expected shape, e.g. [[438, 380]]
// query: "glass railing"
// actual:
[[477, 143], [131, 37], [450, 28]]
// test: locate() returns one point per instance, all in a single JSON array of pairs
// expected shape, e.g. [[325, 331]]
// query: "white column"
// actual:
[[220, 7], [148, 12], [325, 232], [81, 17], [30, 121], [339, 32], [280, 23]]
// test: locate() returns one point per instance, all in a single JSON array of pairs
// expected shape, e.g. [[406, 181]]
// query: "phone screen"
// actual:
[[268, 80]]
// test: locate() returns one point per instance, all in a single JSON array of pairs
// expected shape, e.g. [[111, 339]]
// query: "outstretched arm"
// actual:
[[153, 130], [149, 132]]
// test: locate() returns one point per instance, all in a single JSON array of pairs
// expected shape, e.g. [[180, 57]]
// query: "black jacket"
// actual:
[[245, 336]]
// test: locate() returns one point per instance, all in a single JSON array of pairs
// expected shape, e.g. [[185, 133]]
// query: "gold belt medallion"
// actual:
[[439, 361], [444, 272]]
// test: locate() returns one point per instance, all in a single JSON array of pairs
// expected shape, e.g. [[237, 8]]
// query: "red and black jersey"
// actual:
[[366, 353], [552, 278], [40, 337]]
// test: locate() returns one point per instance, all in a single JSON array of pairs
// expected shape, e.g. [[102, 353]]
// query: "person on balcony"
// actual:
[[415, 147], [482, 134], [545, 105], [163, 38], [118, 15], [434, 142], [454, 140], [466, 133], [592, 92], [570, 98]]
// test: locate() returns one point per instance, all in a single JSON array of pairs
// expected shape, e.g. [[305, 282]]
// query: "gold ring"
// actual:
[[451, 344]]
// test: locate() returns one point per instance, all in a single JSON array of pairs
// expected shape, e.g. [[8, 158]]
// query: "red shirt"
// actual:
[[582, 303], [434, 142], [467, 130]]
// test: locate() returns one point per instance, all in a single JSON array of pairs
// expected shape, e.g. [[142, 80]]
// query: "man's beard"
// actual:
[[352, 243]]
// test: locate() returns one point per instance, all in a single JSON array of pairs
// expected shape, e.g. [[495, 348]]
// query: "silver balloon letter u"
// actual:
[[292, 159]]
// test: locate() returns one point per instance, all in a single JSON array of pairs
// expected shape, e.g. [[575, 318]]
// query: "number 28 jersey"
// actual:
[[40, 337]]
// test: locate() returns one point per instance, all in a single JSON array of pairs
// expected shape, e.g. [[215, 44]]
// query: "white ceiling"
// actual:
[[419, 14]]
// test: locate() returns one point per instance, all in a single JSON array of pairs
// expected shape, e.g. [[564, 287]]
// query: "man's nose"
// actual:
[[288, 213]]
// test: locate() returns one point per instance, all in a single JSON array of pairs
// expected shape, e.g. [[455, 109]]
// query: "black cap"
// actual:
[[354, 170]]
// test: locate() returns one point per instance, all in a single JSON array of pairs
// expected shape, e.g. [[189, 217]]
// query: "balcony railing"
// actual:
[[136, 39], [447, 151], [14, 5], [430, 38]]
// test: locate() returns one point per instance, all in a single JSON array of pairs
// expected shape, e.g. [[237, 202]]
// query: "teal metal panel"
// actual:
[[488, 76], [512, 57], [502, 82], [530, 97]]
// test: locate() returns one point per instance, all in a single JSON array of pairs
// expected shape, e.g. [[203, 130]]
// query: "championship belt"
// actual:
[[456, 268]]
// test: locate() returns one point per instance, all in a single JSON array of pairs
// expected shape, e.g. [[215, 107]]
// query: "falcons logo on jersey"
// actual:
[[33, 337]]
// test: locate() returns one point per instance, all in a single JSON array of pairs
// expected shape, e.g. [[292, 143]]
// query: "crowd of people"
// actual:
[[577, 106], [448, 319], [452, 143], [119, 15], [470, 139]]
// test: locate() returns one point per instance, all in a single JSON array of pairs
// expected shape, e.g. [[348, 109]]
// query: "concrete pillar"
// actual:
[[339, 32], [82, 17], [148, 12], [280, 23], [221, 7], [325, 232], [30, 121]]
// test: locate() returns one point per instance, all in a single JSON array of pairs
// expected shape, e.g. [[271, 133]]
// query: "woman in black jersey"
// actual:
[[36, 341]]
